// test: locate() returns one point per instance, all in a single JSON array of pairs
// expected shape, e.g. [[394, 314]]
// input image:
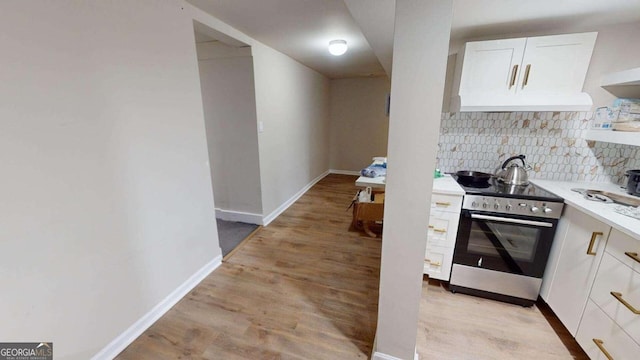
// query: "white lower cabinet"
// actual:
[[441, 235], [592, 284], [617, 292], [575, 255], [612, 316], [600, 336]]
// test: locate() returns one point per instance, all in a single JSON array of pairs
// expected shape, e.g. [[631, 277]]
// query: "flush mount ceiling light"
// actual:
[[337, 47]]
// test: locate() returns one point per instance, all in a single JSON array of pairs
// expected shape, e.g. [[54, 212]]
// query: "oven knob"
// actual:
[[534, 209], [484, 205], [496, 206], [508, 207], [547, 210], [474, 204]]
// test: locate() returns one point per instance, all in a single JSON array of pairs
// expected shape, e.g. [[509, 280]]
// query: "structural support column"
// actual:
[[421, 46]]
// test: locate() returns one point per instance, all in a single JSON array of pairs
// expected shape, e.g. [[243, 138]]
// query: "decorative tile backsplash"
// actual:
[[552, 141]]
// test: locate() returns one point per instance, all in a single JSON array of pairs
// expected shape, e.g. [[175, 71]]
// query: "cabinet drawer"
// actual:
[[614, 276], [437, 262], [449, 203], [443, 228], [597, 325], [624, 248]]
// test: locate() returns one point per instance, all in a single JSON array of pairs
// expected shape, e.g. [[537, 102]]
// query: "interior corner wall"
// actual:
[[292, 103], [359, 121], [228, 94], [106, 204]]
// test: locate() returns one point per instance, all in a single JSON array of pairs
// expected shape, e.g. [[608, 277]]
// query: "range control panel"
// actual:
[[502, 205]]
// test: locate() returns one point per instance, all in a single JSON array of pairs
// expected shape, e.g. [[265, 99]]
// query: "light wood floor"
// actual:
[[459, 326], [304, 287]]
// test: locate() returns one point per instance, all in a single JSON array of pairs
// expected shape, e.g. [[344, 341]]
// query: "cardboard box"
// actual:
[[366, 213]]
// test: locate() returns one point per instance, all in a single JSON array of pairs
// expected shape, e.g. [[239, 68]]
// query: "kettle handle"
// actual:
[[521, 157]]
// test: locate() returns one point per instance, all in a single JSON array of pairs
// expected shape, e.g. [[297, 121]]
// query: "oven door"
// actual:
[[507, 243]]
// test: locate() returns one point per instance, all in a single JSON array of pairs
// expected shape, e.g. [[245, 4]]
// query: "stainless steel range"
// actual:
[[503, 241]]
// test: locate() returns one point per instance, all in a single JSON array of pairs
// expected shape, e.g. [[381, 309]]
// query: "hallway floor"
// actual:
[[303, 287]]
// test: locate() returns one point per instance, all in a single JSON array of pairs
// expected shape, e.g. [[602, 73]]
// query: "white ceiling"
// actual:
[[302, 29], [473, 18]]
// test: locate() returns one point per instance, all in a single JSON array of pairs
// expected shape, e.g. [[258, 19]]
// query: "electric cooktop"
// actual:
[[494, 187]]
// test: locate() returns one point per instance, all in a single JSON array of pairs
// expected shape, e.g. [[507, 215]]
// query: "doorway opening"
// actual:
[[228, 95]]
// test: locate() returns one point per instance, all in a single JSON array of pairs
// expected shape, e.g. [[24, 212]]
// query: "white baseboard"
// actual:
[[274, 214], [344, 172], [382, 356], [118, 344], [230, 215]]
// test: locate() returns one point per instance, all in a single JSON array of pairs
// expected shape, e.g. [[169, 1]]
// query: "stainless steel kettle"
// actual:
[[513, 173]]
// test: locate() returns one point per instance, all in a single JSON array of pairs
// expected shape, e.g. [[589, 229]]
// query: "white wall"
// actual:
[[359, 123], [228, 93], [617, 48], [106, 203], [420, 48], [293, 104]]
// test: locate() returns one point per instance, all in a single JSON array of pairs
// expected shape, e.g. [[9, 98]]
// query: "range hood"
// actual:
[[495, 103]]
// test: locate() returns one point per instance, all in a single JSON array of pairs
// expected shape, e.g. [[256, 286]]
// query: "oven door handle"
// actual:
[[510, 220]]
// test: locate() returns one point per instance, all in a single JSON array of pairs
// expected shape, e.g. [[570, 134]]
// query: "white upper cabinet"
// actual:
[[556, 64], [544, 73], [491, 67]]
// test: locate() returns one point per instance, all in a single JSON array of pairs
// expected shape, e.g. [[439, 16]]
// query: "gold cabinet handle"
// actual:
[[443, 203], [600, 344], [432, 263], [633, 255], [437, 230], [514, 72], [618, 296], [526, 75], [594, 235]]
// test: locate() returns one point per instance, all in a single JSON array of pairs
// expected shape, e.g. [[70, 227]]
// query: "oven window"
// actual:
[[513, 243]]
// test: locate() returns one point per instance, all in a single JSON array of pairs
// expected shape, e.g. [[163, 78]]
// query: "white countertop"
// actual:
[[376, 183], [445, 185], [601, 211]]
